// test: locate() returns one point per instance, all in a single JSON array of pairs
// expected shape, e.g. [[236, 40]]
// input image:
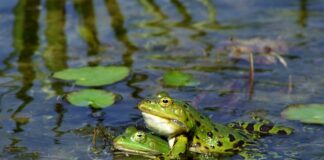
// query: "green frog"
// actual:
[[172, 118], [136, 142]]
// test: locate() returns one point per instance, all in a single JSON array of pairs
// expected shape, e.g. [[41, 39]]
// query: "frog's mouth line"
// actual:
[[123, 149], [144, 110], [155, 118]]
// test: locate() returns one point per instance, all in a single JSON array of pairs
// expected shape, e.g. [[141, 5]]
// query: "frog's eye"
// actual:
[[165, 101], [139, 136]]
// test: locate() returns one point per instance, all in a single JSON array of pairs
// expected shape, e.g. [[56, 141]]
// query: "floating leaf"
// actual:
[[178, 78], [93, 76], [307, 113], [91, 97]]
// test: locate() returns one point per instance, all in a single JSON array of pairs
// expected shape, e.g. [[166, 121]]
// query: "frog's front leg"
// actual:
[[178, 146]]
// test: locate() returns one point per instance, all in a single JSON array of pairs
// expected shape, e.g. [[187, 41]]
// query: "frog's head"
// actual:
[[138, 142], [164, 115]]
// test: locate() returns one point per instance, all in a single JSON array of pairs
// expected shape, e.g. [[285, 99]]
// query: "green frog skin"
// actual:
[[136, 142], [261, 129], [171, 117]]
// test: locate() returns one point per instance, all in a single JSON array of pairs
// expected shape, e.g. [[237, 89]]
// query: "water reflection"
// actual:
[[55, 57], [303, 13], [59, 109], [117, 23], [87, 25], [25, 43], [157, 23], [186, 21]]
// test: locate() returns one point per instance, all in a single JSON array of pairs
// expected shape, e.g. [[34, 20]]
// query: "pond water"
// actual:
[[152, 37]]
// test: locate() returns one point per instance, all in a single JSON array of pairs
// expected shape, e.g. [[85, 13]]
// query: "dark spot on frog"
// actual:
[[219, 143], [250, 127], [198, 144], [231, 138], [206, 148], [265, 128], [238, 144], [212, 146], [282, 132], [215, 129], [210, 134], [198, 123], [197, 137], [202, 117]]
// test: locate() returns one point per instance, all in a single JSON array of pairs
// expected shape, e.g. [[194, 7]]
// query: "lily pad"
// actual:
[[93, 76], [307, 113], [178, 78], [91, 97]]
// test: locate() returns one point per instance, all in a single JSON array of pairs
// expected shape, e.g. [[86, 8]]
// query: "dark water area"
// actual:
[[39, 37]]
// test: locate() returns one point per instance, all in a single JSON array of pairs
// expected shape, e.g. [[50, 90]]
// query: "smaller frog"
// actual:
[[136, 142]]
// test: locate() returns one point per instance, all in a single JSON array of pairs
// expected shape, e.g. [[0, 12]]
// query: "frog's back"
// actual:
[[218, 139], [210, 137]]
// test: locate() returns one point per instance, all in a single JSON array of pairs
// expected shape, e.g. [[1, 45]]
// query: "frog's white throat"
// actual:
[[162, 126]]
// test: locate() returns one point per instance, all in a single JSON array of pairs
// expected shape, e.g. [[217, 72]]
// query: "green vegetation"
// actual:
[[178, 78], [93, 76], [91, 97], [307, 113]]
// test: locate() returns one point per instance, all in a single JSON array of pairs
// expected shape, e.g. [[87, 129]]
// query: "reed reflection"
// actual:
[[87, 27], [25, 43], [117, 23], [303, 13], [158, 22], [186, 22], [54, 56]]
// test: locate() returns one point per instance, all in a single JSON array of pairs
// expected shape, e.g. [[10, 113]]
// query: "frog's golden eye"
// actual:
[[165, 101], [139, 136]]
